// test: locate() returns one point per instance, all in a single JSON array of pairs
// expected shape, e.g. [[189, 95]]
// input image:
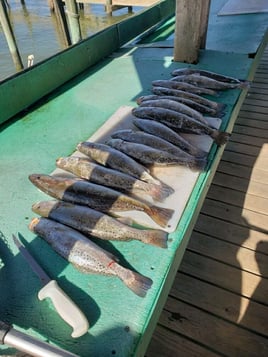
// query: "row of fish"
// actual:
[[178, 102], [112, 176]]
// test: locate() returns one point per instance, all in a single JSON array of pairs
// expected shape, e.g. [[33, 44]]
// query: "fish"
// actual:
[[97, 224], [192, 96], [209, 74], [166, 133], [180, 122], [86, 256], [154, 157], [140, 137], [177, 107], [115, 159], [203, 109], [206, 82], [190, 88], [86, 169], [97, 197]]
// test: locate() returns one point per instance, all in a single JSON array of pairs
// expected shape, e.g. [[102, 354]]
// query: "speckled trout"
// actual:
[[86, 256], [86, 169], [154, 157], [187, 87], [155, 142], [195, 97], [197, 79], [176, 106], [115, 159], [97, 224], [181, 122], [166, 133], [97, 197], [209, 74], [204, 109]]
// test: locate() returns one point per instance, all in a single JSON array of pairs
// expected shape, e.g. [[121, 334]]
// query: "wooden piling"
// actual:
[[57, 7], [11, 41], [190, 29], [73, 20]]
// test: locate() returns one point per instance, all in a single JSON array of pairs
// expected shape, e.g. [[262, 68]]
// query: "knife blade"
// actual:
[[62, 303]]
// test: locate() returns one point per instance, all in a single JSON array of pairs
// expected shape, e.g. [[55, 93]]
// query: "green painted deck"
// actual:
[[121, 323]]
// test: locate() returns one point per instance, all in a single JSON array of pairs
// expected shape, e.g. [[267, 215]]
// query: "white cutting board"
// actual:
[[180, 178]]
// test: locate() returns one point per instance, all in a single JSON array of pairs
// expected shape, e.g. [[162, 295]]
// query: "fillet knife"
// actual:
[[64, 306]]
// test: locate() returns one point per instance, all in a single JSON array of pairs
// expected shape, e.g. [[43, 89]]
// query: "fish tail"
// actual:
[[136, 282], [160, 192], [198, 153], [220, 109], [199, 164], [244, 85], [160, 215], [156, 237], [220, 137]]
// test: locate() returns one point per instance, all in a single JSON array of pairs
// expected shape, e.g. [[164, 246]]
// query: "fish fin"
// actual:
[[220, 108], [244, 85], [138, 283], [220, 137], [199, 153], [160, 192], [160, 215], [156, 237], [199, 164]]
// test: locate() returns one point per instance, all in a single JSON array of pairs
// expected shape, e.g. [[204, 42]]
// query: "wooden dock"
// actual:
[[112, 5], [218, 303]]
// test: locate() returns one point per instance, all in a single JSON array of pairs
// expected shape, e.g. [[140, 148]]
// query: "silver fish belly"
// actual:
[[86, 256], [97, 197], [166, 133], [151, 156], [180, 122], [94, 223], [184, 86], [86, 169]]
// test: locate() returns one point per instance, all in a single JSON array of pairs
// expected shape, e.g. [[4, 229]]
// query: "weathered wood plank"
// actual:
[[166, 343], [256, 102], [253, 115], [225, 276], [217, 334], [242, 159], [226, 253], [252, 123], [259, 133], [233, 233], [190, 29], [234, 214], [258, 204], [250, 150], [241, 136], [254, 108], [255, 174], [220, 302], [241, 184]]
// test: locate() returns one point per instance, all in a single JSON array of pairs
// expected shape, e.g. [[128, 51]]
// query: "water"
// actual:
[[37, 33]]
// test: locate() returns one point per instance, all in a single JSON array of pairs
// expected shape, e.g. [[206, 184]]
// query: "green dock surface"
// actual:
[[121, 323]]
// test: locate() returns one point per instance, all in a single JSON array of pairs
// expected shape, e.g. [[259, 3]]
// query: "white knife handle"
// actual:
[[65, 307]]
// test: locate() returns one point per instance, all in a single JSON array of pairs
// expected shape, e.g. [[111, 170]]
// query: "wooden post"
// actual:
[[57, 7], [73, 20], [190, 29], [204, 23], [109, 7], [11, 41]]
